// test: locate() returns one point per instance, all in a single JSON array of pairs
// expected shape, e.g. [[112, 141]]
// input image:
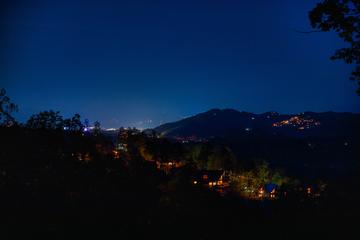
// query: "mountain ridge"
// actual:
[[229, 122]]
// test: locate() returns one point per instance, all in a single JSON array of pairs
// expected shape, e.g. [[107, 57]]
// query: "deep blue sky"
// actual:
[[127, 62]]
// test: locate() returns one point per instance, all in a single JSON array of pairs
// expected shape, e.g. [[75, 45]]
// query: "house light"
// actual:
[[195, 182], [261, 192]]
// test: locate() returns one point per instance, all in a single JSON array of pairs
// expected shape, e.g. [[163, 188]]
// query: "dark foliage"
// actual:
[[6, 109], [46, 190], [342, 17]]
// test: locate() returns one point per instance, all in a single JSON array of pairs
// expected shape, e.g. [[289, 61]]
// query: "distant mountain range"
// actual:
[[225, 123]]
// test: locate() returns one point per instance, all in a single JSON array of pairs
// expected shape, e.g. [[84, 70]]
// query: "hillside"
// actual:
[[226, 123]]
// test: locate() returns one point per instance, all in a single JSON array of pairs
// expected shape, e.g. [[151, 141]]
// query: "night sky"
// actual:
[[142, 63]]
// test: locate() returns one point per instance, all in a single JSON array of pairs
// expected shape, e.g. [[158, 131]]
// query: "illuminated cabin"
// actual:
[[167, 167], [211, 178], [270, 190]]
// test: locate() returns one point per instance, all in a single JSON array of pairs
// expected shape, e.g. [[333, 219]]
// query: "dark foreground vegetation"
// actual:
[[67, 184]]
